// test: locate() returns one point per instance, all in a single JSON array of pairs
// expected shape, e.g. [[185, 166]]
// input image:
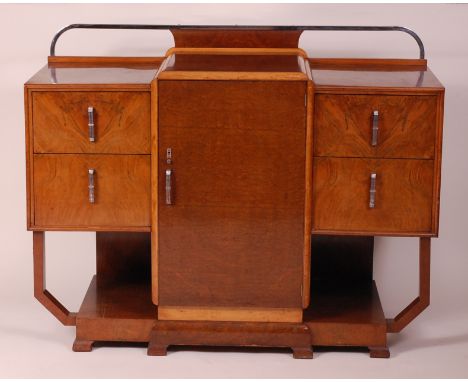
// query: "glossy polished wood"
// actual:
[[341, 80], [112, 76], [238, 212], [407, 126], [232, 38], [404, 196], [122, 192], [121, 122]]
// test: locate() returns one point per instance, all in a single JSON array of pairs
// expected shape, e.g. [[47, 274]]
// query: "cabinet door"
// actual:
[[233, 235]]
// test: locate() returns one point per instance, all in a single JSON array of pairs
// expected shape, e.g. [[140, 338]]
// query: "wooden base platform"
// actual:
[[338, 316]]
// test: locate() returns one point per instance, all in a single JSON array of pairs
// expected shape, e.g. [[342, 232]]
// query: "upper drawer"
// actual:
[[121, 122], [404, 127]]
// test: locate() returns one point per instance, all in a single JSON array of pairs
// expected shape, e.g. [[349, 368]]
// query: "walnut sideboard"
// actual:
[[235, 186]]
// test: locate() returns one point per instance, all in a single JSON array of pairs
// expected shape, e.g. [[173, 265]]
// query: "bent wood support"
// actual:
[[40, 292], [414, 309]]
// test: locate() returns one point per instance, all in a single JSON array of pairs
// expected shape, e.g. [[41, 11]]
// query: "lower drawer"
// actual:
[[61, 192], [403, 197]]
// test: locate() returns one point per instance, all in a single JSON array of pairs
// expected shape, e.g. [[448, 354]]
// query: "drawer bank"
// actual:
[[235, 186]]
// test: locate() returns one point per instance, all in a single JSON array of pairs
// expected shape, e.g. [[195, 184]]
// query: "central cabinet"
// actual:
[[231, 203]]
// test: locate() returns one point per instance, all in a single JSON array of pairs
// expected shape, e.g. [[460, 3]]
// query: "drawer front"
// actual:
[[122, 191], [405, 126], [403, 196], [121, 122]]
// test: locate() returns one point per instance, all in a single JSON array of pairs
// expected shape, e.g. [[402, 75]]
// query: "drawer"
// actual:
[[122, 191], [403, 196], [405, 126], [121, 122]]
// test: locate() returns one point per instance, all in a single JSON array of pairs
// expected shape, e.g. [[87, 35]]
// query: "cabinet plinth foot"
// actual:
[[303, 353], [82, 345], [157, 350], [379, 352]]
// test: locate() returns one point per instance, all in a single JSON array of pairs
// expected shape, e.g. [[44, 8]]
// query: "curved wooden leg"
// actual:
[[40, 292], [415, 308], [82, 345], [379, 352], [303, 353]]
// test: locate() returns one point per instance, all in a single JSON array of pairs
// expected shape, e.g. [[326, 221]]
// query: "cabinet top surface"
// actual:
[[376, 78], [93, 75]]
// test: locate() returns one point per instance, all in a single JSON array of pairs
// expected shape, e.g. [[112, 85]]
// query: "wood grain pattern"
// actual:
[[403, 200], [203, 313], [407, 126], [122, 191], [122, 122], [234, 235], [260, 334], [232, 38]]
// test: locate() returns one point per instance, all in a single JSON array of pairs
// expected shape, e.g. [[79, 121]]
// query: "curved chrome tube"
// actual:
[[257, 27]]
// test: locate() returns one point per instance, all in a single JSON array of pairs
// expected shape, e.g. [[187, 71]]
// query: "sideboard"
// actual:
[[235, 186]]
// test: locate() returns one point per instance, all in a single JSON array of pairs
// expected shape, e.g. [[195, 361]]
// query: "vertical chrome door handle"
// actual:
[[91, 124], [169, 187], [91, 193], [375, 127], [372, 190]]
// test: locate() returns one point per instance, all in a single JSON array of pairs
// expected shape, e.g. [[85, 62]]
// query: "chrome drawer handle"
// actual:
[[375, 127], [91, 195], [169, 187], [91, 124], [372, 191]]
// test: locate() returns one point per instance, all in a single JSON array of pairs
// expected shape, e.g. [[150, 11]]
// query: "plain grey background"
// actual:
[[34, 344]]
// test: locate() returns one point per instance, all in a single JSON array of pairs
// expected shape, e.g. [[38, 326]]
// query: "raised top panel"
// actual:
[[232, 38]]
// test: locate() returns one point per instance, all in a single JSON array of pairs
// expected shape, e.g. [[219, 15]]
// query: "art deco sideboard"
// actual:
[[235, 186]]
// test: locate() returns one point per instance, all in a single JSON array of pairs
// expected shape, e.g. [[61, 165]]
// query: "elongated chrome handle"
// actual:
[[169, 187], [372, 190], [91, 187], [91, 124], [375, 127]]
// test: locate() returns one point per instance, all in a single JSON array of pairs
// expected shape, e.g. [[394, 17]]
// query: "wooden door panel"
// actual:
[[122, 191], [234, 235], [406, 126], [403, 199], [121, 119]]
